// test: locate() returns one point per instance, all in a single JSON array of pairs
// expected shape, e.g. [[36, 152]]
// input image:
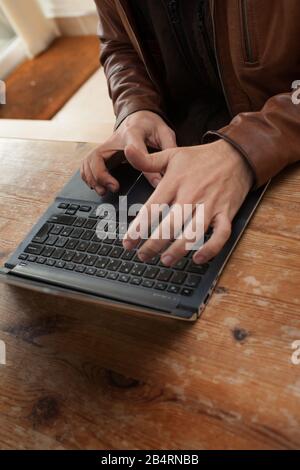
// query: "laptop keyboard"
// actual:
[[69, 241]]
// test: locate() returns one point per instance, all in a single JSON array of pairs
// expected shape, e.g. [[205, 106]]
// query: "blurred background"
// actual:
[[49, 61]]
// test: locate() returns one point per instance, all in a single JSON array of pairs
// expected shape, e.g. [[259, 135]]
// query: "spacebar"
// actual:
[[100, 287]]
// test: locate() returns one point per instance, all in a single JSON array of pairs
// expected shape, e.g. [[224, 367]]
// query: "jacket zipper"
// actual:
[[246, 32], [205, 36], [217, 58]]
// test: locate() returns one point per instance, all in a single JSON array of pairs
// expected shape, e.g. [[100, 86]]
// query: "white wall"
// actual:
[[68, 8]]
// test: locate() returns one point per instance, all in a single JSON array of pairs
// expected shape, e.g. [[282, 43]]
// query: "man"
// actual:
[[213, 77]]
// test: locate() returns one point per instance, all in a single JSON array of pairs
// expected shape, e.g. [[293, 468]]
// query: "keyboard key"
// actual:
[[56, 229], [99, 236], [85, 208], [74, 207], [91, 271], [82, 246], [66, 231], [147, 283], [126, 267], [181, 264], [151, 273], [60, 264], [116, 252], [197, 268], [124, 278], [61, 242], [51, 240], [155, 260], [32, 258], [102, 263], [90, 260], [108, 240], [113, 265], [93, 248], [160, 286], [164, 275], [138, 270], [34, 249], [23, 257], [47, 251], [80, 269], [71, 211], [63, 205], [186, 292], [111, 227], [50, 262], [101, 273], [136, 281], [41, 260], [72, 244], [79, 258], [68, 256], [62, 219], [178, 278], [79, 222], [174, 289], [58, 253], [193, 280], [104, 250], [70, 266], [77, 232], [42, 234], [128, 255], [88, 234], [113, 276], [90, 224]]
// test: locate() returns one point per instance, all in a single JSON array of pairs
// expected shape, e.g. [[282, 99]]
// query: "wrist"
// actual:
[[238, 162]]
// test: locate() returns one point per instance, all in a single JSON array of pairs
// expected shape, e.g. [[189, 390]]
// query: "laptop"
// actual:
[[64, 254]]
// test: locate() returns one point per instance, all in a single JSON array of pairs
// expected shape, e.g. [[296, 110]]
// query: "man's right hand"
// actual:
[[140, 129]]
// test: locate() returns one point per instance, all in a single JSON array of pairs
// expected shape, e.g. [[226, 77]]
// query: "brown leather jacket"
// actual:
[[258, 51]]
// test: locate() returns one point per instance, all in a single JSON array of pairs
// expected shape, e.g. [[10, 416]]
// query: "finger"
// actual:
[[169, 229], [221, 233], [87, 175], [100, 173], [148, 216], [191, 236], [167, 138], [154, 163], [138, 142]]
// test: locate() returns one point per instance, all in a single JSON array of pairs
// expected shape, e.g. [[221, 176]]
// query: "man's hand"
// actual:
[[213, 174], [140, 129]]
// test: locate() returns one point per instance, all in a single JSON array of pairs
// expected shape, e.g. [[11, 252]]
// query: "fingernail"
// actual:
[[199, 259], [100, 191], [112, 188], [143, 257], [156, 182], [128, 245], [167, 260]]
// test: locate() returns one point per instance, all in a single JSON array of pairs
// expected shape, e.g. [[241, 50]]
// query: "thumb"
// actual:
[[150, 163], [167, 138]]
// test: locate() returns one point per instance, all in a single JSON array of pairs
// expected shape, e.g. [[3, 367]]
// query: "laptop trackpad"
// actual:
[[132, 184]]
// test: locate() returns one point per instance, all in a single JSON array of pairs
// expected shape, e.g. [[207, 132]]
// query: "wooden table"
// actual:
[[80, 376]]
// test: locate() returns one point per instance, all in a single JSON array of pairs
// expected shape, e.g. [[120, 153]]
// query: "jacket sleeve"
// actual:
[[129, 84], [269, 139]]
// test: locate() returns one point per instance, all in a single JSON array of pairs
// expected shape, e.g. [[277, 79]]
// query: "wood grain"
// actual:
[[40, 87], [83, 376]]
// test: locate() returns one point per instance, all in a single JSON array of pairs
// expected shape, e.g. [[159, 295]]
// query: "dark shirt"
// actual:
[[181, 35]]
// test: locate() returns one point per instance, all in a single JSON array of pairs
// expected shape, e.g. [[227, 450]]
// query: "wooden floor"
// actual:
[[39, 88]]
